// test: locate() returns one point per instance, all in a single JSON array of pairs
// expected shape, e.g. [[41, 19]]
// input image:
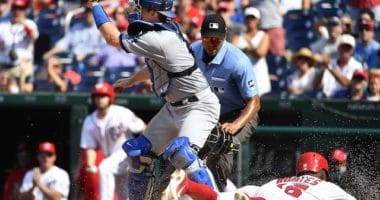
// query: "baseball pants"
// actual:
[[113, 176]]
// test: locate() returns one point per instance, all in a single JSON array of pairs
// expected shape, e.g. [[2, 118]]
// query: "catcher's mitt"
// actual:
[[218, 143]]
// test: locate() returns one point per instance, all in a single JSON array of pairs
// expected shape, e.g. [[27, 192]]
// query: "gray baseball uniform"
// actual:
[[182, 115]]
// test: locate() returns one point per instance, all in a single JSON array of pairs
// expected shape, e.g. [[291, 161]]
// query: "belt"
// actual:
[[6, 66], [185, 101]]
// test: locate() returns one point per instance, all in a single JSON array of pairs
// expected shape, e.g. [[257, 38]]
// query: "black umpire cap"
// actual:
[[214, 26]]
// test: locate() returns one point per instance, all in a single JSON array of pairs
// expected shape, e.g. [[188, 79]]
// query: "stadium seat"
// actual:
[[298, 19], [90, 75], [298, 25], [298, 39], [278, 70], [114, 73], [328, 8]]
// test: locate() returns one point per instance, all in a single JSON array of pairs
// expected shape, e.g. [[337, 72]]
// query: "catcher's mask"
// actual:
[[164, 7]]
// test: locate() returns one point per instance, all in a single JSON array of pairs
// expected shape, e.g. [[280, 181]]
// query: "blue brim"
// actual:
[[169, 14]]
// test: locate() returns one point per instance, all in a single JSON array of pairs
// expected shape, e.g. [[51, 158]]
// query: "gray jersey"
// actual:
[[153, 45]]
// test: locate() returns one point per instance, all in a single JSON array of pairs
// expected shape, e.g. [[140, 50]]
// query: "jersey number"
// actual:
[[293, 190]]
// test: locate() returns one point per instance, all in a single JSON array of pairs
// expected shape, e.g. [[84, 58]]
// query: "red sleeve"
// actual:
[[28, 30], [14, 178]]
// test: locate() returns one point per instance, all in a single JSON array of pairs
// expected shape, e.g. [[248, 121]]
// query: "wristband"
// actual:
[[100, 15]]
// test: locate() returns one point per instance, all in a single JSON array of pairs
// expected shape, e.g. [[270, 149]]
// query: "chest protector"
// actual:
[[161, 82]]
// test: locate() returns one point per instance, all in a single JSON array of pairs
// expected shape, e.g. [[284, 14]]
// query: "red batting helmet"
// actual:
[[104, 89], [311, 162]]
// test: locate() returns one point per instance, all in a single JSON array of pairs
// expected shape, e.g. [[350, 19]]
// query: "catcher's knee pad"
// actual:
[[139, 168], [179, 153], [182, 156], [138, 153]]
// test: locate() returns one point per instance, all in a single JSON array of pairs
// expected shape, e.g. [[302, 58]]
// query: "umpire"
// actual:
[[231, 77]]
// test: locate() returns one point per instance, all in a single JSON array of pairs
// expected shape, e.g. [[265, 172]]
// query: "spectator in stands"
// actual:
[[366, 14], [50, 27], [17, 38], [374, 85], [226, 8], [82, 40], [188, 16], [355, 6], [366, 48], [120, 18], [356, 89], [47, 181], [320, 28], [347, 24], [271, 22], [301, 81], [328, 45], [202, 6], [336, 74], [8, 83], [255, 43], [5, 14], [287, 5], [111, 57], [111, 5], [15, 176], [51, 78]]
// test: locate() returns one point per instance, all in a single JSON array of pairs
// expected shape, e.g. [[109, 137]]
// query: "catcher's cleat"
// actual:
[[177, 186]]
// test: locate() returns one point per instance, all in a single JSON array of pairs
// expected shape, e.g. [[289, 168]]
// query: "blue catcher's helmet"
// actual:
[[162, 6]]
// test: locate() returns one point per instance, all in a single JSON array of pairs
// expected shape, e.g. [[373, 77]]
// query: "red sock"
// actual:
[[200, 191]]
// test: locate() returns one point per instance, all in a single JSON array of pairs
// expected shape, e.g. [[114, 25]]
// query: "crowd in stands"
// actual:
[[299, 48]]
